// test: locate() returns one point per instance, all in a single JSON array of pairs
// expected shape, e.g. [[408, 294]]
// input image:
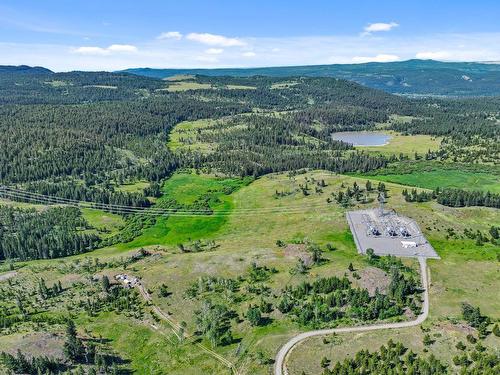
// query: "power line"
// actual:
[[162, 210], [152, 211]]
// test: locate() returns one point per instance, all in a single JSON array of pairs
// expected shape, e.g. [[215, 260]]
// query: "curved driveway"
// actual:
[[280, 365]]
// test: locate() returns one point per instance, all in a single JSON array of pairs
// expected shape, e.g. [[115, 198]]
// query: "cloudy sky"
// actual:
[[109, 35]]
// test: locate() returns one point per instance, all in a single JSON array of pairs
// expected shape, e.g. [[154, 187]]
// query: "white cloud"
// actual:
[[292, 51], [91, 51], [99, 51], [122, 48], [436, 55], [215, 40], [377, 58], [214, 51], [170, 35], [378, 27], [249, 54]]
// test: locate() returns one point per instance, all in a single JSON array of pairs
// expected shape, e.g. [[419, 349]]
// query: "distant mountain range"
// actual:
[[412, 77]]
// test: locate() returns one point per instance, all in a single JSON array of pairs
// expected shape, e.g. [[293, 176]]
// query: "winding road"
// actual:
[[280, 363]]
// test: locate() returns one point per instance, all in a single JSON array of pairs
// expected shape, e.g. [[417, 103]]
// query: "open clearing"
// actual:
[[180, 85], [246, 238], [102, 221], [184, 136], [243, 239], [135, 187], [405, 144], [445, 178], [187, 189]]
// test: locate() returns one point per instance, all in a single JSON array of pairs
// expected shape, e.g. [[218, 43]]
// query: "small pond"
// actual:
[[363, 138]]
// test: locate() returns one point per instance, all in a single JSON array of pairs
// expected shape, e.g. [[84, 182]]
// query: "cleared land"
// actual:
[[135, 187], [187, 189], [445, 178], [184, 136], [104, 222], [307, 356], [405, 144], [251, 237]]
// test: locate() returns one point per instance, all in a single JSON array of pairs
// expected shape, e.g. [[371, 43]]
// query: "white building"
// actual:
[[408, 244]]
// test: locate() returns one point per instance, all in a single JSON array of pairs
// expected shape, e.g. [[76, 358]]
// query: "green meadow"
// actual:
[[186, 189], [448, 178]]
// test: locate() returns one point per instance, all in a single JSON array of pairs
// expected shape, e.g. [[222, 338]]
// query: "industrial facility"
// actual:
[[388, 233]]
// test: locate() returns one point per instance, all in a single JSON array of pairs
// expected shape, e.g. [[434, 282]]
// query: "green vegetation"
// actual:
[[413, 77], [106, 224], [199, 194], [53, 233], [445, 178], [218, 227], [186, 85], [184, 135], [405, 144]]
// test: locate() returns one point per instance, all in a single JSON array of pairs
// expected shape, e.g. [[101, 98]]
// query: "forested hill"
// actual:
[[35, 85], [24, 69], [412, 77]]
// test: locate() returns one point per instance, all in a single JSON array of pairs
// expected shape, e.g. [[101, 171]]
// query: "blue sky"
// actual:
[[108, 35]]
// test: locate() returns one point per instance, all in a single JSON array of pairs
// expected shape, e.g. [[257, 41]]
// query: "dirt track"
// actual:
[[280, 363]]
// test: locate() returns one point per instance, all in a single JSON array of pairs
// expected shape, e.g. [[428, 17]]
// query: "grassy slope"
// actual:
[[307, 356], [446, 178], [105, 222], [183, 136], [135, 187], [247, 238], [185, 189], [244, 239], [150, 350]]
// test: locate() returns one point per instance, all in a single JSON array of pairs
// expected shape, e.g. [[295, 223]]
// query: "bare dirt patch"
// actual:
[[298, 251], [456, 327], [294, 250], [372, 278], [39, 344], [7, 275]]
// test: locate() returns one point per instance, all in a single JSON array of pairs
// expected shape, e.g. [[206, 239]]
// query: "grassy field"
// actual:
[[152, 350], [136, 187], [240, 87], [186, 189], [446, 178], [177, 86], [251, 237], [105, 222], [183, 136], [405, 144], [23, 205], [258, 219], [307, 355], [185, 85]]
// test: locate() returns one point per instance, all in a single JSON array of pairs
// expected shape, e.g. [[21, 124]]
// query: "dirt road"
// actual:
[[280, 363]]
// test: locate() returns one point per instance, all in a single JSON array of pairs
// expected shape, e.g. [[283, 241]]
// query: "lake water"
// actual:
[[363, 138]]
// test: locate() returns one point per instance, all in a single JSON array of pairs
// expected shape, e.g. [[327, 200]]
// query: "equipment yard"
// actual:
[[388, 233]]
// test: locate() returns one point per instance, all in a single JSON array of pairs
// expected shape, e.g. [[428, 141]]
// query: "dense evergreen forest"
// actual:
[[80, 135], [53, 233]]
